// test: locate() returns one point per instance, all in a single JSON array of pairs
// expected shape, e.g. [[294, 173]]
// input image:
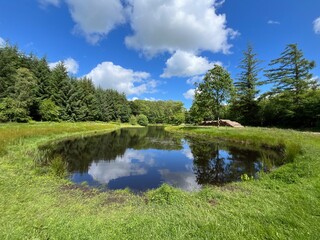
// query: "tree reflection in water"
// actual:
[[216, 163], [143, 158]]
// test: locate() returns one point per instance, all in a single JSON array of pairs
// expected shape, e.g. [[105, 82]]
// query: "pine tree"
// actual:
[[291, 72], [89, 110], [60, 90], [42, 72], [245, 104], [9, 63]]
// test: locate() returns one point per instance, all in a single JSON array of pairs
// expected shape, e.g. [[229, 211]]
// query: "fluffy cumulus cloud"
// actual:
[[122, 166], [96, 18], [45, 3], [71, 65], [316, 25], [189, 94], [185, 64], [110, 76], [166, 25]]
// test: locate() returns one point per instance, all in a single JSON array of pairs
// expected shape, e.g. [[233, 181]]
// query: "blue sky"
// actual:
[[157, 49]]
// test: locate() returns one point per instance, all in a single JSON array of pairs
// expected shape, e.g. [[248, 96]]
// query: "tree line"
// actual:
[[30, 90], [293, 100]]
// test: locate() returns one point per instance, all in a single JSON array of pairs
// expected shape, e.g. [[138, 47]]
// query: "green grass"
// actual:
[[284, 204]]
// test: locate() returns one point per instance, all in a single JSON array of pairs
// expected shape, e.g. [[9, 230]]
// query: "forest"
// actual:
[[31, 91]]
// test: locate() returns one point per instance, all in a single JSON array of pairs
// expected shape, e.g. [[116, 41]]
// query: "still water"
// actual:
[[145, 158]]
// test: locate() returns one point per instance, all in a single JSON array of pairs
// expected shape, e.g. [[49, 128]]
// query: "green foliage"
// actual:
[[165, 194], [27, 81], [281, 110], [291, 72], [215, 90], [27, 84], [291, 151], [16, 106], [178, 118], [49, 111], [171, 112], [13, 110], [58, 167], [10, 61], [293, 101], [133, 120], [142, 120], [290, 174], [24, 89], [245, 177], [245, 106]]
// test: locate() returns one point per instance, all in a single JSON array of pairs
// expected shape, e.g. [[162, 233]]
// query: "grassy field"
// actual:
[[35, 204]]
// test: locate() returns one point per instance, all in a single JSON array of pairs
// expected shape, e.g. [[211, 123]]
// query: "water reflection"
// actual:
[[216, 164], [131, 163], [144, 158]]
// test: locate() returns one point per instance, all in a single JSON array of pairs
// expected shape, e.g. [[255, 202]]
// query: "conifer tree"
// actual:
[[245, 103], [60, 90], [291, 72], [9, 63]]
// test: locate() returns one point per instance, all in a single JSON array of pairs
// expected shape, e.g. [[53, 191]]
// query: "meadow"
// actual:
[[35, 203]]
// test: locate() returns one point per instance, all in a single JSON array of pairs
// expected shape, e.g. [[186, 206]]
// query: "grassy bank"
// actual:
[[281, 205]]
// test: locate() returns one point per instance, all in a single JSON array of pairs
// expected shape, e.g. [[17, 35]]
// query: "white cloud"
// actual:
[[185, 180], [2, 43], [45, 3], [166, 25], [133, 99], [185, 64], [189, 94], [272, 22], [151, 99], [195, 79], [187, 152], [316, 25], [96, 18], [110, 76], [71, 65], [122, 166]]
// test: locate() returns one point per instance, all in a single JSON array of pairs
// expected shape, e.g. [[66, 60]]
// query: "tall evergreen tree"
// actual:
[[42, 72], [60, 90], [291, 72], [103, 107], [292, 80], [9, 63], [245, 104], [89, 110]]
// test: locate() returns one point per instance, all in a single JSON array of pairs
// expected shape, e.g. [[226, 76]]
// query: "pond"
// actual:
[[144, 158]]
